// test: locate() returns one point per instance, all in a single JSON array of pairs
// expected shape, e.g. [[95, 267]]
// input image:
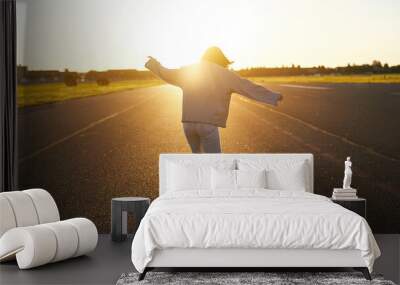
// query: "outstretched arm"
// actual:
[[254, 91], [171, 76]]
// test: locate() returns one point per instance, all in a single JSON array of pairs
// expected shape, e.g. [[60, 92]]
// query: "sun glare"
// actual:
[[259, 33], [192, 27], [100, 34]]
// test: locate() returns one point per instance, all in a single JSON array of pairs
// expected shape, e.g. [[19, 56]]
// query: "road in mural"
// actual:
[[88, 150]]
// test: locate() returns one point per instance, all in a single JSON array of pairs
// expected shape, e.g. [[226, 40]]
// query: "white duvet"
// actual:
[[250, 219]]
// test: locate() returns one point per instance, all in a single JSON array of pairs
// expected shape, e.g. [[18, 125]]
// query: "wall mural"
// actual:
[[95, 111]]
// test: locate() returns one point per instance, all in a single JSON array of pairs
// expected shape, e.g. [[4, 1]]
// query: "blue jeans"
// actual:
[[202, 137]]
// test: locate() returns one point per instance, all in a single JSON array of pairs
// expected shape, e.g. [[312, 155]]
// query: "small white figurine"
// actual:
[[347, 174]]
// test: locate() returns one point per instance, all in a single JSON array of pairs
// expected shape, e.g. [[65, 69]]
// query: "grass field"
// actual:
[[29, 95], [376, 78]]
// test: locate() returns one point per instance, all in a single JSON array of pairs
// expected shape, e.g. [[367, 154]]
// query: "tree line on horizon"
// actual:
[[376, 67], [72, 78]]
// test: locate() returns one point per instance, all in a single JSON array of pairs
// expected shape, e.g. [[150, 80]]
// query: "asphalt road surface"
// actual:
[[88, 150]]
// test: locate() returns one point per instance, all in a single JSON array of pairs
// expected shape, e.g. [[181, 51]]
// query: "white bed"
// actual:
[[249, 227]]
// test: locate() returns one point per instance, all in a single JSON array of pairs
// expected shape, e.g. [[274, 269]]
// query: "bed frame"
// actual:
[[246, 258]]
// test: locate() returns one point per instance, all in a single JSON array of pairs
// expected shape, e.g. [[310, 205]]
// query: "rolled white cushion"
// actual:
[[37, 245], [45, 205], [87, 235], [67, 240], [7, 219], [23, 208], [33, 246]]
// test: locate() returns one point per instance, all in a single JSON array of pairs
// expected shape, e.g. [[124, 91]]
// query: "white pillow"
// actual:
[[285, 174], [292, 177], [251, 178], [228, 179], [223, 179], [188, 177]]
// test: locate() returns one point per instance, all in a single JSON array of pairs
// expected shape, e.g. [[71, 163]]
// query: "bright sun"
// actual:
[[190, 27], [101, 34]]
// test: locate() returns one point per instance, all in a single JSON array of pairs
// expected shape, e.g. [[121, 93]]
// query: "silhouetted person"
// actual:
[[207, 88]]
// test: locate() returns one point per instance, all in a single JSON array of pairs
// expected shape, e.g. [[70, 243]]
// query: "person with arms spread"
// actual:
[[207, 88]]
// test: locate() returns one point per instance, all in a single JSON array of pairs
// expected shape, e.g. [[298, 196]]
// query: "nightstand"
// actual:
[[358, 206], [120, 207]]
